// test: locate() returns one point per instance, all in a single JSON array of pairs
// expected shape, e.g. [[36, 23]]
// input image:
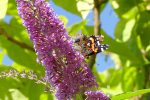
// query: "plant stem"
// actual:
[[11, 39], [97, 24], [96, 11]]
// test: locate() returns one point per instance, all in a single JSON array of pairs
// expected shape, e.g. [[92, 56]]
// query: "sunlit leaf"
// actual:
[[128, 95], [17, 94], [128, 78], [140, 78], [3, 8], [128, 30], [1, 56], [19, 55], [66, 5], [12, 9], [76, 28], [119, 29], [19, 34], [131, 13], [64, 19], [100, 79], [84, 7], [47, 96], [143, 28], [7, 83], [122, 7], [148, 52], [115, 77]]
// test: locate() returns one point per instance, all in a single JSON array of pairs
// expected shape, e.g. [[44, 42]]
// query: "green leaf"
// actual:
[[12, 8], [22, 88], [89, 30], [47, 96], [16, 94], [17, 30], [114, 77], [64, 19], [7, 83], [69, 6], [21, 56], [1, 56], [131, 13], [140, 78], [128, 78], [122, 7], [78, 7], [76, 28], [5, 68], [128, 95], [127, 32], [148, 52], [3, 8], [84, 7], [119, 29], [143, 28], [99, 77]]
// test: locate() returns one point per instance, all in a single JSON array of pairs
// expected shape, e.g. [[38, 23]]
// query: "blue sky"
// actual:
[[108, 23]]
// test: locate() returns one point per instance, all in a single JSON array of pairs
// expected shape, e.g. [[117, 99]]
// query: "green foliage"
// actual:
[[3, 8], [129, 49], [76, 27], [122, 7], [77, 7], [67, 6], [127, 95]]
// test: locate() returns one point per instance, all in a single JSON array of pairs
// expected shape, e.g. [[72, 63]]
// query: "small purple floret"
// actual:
[[96, 95], [66, 69]]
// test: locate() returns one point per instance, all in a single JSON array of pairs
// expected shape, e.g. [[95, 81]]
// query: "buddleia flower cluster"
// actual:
[[66, 69]]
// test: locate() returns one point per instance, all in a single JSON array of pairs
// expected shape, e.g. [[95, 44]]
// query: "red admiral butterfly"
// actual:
[[91, 45]]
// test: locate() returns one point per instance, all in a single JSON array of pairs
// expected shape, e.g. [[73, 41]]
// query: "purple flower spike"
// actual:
[[66, 69], [96, 95]]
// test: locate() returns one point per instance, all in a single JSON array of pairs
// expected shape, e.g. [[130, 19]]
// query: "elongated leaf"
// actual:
[[143, 28], [129, 78], [1, 56], [76, 28], [115, 77], [85, 7], [12, 8], [21, 56], [68, 5], [119, 29], [16, 94], [3, 8], [17, 30], [130, 94], [122, 7]]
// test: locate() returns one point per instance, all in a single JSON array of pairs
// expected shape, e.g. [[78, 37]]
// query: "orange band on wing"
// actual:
[[92, 44]]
